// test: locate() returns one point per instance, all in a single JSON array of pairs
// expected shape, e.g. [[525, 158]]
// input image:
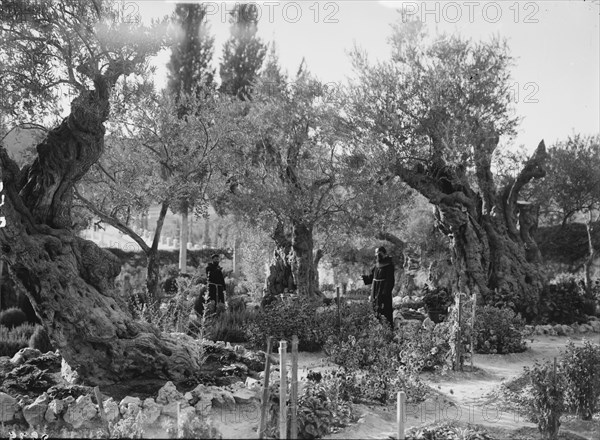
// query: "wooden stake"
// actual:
[[337, 293], [294, 390], [473, 338], [401, 414], [282, 390], [265, 398], [101, 408], [459, 336]]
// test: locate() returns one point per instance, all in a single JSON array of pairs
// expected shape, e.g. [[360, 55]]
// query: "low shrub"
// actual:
[[426, 349], [40, 340], [580, 367], [437, 300], [498, 331], [230, 325], [285, 318], [448, 431], [373, 362], [12, 317], [322, 409], [546, 403], [14, 339], [562, 302]]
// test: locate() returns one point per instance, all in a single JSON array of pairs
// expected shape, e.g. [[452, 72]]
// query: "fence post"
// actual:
[[473, 338], [294, 390], [337, 294], [401, 414], [101, 409], [265, 397], [459, 335], [282, 390]]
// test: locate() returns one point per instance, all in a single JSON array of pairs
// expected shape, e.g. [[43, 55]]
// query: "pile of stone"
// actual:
[[593, 326], [74, 406]]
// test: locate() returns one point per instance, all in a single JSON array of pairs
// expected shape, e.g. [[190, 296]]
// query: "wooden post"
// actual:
[[294, 390], [282, 390], [265, 398], [459, 336], [179, 433], [473, 338], [337, 293], [101, 409], [401, 414]]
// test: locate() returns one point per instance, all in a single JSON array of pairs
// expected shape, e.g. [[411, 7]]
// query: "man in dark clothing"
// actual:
[[382, 280], [216, 281]]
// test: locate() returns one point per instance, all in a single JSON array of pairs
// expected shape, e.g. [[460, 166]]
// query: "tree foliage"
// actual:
[[573, 183], [243, 53]]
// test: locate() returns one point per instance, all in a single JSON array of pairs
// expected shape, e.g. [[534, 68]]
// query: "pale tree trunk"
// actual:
[[318, 256], [184, 240], [70, 280], [491, 256], [590, 259], [207, 230]]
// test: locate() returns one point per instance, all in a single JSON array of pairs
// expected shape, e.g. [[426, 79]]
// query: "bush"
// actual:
[[498, 331], [562, 302], [40, 340], [14, 339], [546, 404], [448, 431], [580, 367], [230, 325], [322, 409], [283, 319], [374, 367], [437, 300], [12, 317]]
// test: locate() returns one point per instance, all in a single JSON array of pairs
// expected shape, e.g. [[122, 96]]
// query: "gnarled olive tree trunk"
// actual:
[[490, 230], [69, 280]]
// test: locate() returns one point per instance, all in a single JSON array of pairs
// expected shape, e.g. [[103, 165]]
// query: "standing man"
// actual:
[[215, 280], [382, 280]]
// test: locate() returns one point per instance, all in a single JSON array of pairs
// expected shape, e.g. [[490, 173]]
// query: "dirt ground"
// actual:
[[463, 397]]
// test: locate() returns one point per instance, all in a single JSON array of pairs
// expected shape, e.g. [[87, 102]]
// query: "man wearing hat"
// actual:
[[382, 279], [216, 281]]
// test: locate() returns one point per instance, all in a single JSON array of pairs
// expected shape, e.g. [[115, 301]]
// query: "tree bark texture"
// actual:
[[494, 253], [70, 280]]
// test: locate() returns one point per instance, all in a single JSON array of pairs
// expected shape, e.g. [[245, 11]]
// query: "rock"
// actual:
[[575, 327], [8, 407], [222, 398], [538, 330], [558, 329], [169, 394], [130, 406], [568, 330], [24, 355], [595, 326], [151, 410], [35, 412], [68, 374], [583, 328], [111, 410], [54, 410], [244, 396], [80, 412], [252, 383]]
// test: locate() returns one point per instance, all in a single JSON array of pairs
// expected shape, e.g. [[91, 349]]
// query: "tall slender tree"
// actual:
[[190, 74], [243, 53]]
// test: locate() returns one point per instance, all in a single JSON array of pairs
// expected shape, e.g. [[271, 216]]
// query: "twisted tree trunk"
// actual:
[[69, 280], [494, 253]]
